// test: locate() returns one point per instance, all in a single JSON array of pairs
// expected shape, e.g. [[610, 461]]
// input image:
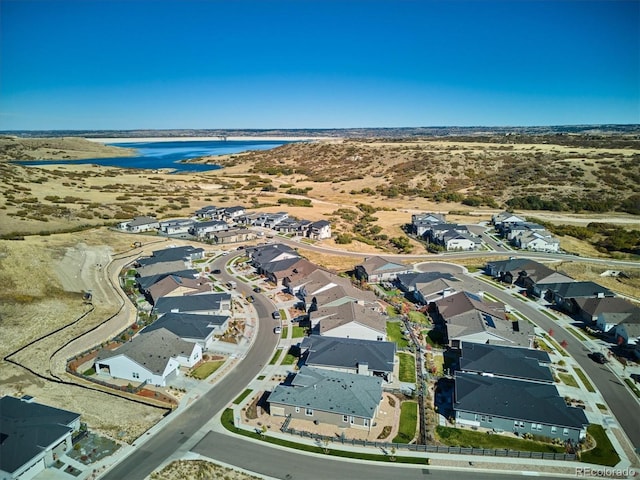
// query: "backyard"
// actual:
[[408, 422], [407, 371], [394, 334]]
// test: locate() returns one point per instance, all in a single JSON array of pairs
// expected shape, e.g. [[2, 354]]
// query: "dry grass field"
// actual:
[[199, 470], [43, 279], [370, 187], [65, 148]]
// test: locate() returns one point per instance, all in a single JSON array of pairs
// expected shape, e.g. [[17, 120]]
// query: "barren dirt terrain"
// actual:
[[43, 281]]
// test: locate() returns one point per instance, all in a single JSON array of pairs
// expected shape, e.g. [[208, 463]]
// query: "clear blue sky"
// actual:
[[97, 64]]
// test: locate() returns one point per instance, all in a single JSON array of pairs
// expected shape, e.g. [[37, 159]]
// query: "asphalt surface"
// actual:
[[288, 465], [279, 463], [166, 441]]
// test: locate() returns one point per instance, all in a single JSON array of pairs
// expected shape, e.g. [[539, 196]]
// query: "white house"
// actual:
[[32, 435], [177, 226], [154, 358], [349, 320], [320, 230], [139, 224], [537, 241], [201, 229]]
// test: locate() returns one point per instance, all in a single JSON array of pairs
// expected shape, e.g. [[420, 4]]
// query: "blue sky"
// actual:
[[98, 64]]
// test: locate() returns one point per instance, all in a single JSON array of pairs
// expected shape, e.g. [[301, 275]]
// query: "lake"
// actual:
[[168, 154]]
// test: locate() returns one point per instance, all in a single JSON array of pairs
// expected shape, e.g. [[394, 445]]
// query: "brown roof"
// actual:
[[347, 313], [463, 302], [171, 283], [372, 264], [300, 269]]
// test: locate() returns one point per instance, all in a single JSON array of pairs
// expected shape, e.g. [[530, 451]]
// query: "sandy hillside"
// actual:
[[61, 148]]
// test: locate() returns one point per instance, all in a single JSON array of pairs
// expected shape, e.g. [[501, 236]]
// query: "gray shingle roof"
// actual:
[[515, 399], [334, 317], [329, 391], [146, 282], [580, 289], [26, 429], [172, 255], [152, 350], [186, 325], [411, 280], [504, 361], [191, 303], [349, 352], [379, 265]]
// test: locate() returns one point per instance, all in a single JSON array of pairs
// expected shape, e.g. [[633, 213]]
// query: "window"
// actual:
[[308, 412], [483, 418], [553, 429], [489, 419], [366, 422], [136, 375], [539, 427], [379, 338], [565, 431], [351, 420], [345, 418], [297, 409]]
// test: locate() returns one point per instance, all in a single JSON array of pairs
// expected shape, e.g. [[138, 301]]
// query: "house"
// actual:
[[437, 232], [349, 320], [467, 318], [537, 241], [233, 236], [322, 288], [627, 330], [562, 294], [174, 285], [266, 254], [510, 405], [506, 362], [593, 309], [143, 283], [454, 240], [508, 271], [203, 304], [177, 226], [187, 254], [421, 223], [200, 329], [427, 287], [140, 224], [154, 358], [201, 229], [208, 211], [284, 275], [32, 436], [233, 213], [378, 269], [350, 355], [163, 268], [319, 230], [326, 396], [505, 218], [514, 229]]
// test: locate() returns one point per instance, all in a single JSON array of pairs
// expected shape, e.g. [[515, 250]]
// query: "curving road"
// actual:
[[268, 460]]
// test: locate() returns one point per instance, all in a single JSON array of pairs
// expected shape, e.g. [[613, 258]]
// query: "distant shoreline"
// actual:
[[200, 139]]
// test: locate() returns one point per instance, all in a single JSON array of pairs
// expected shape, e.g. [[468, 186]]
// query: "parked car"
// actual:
[[598, 357], [216, 271], [276, 315], [250, 299], [277, 330], [257, 289]]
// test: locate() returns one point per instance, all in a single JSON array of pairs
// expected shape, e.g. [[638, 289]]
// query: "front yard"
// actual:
[[457, 437]]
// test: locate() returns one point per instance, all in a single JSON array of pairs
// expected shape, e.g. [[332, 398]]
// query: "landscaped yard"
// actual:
[[285, 332], [603, 453], [274, 359], [434, 338], [242, 396], [299, 332], [289, 359], [394, 334], [456, 437], [408, 422], [568, 379], [419, 317], [584, 379], [407, 367], [204, 370]]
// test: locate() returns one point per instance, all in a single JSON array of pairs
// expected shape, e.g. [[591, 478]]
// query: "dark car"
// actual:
[[598, 357], [257, 289], [250, 299], [216, 271]]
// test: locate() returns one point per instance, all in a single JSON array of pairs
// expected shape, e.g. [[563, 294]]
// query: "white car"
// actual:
[[277, 330]]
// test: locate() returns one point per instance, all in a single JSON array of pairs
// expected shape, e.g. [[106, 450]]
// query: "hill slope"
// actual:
[[64, 148]]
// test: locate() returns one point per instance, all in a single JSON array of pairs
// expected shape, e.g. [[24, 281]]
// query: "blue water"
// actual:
[[156, 155]]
